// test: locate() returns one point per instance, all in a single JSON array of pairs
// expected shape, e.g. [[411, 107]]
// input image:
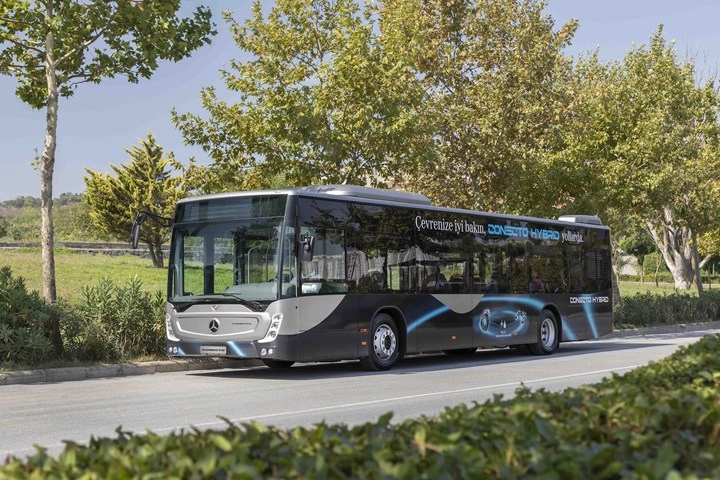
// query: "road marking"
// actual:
[[406, 397]]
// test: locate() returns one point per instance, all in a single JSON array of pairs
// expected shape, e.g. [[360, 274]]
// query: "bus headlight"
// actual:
[[272, 333], [169, 329]]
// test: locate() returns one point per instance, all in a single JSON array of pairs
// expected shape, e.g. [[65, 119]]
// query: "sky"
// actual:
[[99, 122]]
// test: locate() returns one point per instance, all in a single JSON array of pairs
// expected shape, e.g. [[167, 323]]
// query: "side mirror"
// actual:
[[135, 232], [140, 219], [307, 242]]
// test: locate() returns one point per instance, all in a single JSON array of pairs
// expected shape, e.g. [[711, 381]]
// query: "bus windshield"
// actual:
[[239, 261]]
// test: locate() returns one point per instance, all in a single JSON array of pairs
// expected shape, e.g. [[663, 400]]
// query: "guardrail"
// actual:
[[90, 248]]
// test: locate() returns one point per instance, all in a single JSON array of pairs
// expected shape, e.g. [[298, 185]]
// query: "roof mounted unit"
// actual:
[[587, 219], [370, 193]]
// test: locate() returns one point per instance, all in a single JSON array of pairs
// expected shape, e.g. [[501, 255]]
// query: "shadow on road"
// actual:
[[424, 363]]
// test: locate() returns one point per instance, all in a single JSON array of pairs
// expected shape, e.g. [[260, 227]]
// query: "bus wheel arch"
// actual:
[[549, 332], [386, 340]]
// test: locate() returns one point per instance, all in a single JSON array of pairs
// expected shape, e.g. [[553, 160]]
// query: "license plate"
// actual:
[[213, 351]]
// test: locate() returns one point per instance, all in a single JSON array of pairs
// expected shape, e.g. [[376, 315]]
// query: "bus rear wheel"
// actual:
[[548, 338], [384, 348]]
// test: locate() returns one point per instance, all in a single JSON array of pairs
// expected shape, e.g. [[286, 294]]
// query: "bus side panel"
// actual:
[[328, 328], [587, 316]]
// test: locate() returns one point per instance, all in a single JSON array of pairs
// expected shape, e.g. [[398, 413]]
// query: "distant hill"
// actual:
[[34, 202]]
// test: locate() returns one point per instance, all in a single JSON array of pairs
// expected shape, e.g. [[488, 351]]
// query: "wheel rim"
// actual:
[[384, 342], [547, 333]]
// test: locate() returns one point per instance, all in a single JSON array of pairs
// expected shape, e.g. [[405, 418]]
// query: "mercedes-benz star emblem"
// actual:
[[214, 325]]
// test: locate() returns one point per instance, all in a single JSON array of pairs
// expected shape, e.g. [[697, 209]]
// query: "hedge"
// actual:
[[657, 421]]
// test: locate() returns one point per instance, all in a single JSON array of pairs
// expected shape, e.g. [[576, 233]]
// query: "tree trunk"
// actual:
[[696, 257], [156, 254], [674, 244], [47, 166], [616, 298]]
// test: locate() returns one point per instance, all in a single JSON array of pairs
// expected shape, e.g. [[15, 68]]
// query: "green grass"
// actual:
[[634, 288], [74, 271]]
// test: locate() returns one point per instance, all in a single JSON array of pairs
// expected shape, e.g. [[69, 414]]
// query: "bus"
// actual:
[[340, 272]]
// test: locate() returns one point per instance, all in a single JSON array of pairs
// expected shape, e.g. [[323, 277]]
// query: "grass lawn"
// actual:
[[73, 271]]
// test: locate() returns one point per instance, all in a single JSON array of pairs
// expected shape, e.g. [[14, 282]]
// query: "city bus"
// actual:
[[331, 273]]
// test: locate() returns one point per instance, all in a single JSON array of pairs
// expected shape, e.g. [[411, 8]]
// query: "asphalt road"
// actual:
[[46, 414]]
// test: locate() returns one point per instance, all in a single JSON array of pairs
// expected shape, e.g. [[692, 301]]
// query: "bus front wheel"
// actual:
[[548, 337], [384, 348]]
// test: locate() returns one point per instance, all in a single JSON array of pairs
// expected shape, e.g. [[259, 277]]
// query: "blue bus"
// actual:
[[331, 273]]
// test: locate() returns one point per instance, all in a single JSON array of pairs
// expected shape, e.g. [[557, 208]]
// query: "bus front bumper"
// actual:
[[280, 349]]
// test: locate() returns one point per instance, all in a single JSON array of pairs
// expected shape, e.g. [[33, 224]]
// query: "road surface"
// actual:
[[46, 414]]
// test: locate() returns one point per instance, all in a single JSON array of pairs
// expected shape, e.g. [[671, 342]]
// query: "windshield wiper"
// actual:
[[251, 304], [257, 306]]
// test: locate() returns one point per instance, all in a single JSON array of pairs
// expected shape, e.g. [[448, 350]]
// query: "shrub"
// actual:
[[648, 309], [118, 322], [25, 323]]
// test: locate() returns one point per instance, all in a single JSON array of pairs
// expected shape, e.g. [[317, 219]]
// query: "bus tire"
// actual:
[[548, 335], [277, 363], [384, 348]]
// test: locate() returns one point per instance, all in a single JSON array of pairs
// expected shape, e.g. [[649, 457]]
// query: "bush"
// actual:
[[112, 322], [658, 421], [26, 322], [118, 322], [649, 310]]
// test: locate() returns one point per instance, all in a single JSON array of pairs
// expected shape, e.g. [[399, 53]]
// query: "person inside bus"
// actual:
[[536, 284], [435, 282]]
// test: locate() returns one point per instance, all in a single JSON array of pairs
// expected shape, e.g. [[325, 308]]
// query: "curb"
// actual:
[[678, 328], [69, 374]]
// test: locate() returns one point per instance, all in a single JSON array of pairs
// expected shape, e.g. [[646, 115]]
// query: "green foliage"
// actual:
[[144, 184], [23, 225], [649, 309], [50, 47], [25, 323], [116, 322], [495, 79], [110, 323], [320, 100], [647, 132], [71, 218], [89, 41], [4, 225], [658, 421], [21, 202]]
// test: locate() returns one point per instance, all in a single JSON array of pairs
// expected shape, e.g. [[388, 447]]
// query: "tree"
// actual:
[[52, 46], [495, 78], [646, 131], [144, 184], [639, 244], [320, 101]]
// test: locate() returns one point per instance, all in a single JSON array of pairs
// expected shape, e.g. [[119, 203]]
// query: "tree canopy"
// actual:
[[321, 101], [144, 184], [53, 46], [648, 133]]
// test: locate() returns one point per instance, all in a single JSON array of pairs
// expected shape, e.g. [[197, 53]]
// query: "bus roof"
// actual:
[[396, 197]]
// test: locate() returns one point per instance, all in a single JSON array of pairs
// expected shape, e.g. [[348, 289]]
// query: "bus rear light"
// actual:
[[274, 330]]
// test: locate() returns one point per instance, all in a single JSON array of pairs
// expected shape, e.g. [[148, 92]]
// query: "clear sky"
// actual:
[[97, 124]]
